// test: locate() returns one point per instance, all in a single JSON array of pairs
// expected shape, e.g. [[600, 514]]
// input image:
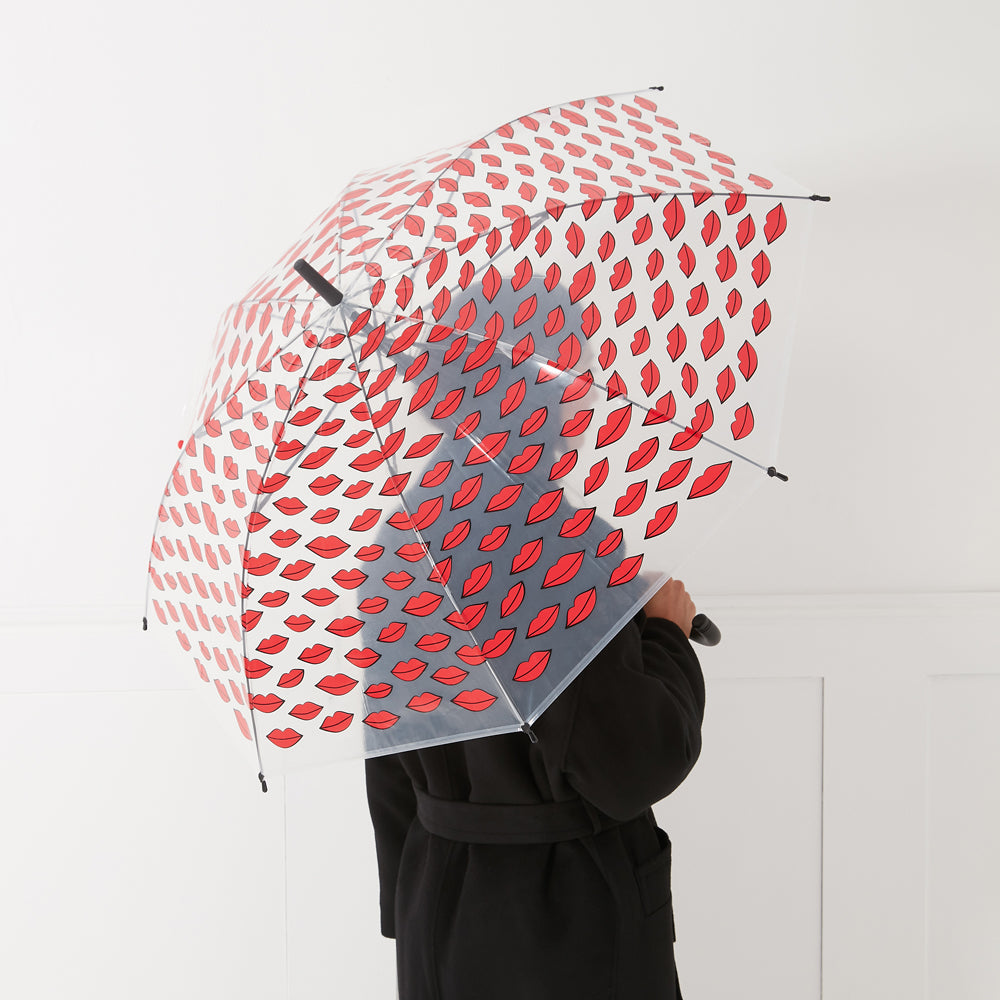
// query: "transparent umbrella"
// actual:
[[463, 429]]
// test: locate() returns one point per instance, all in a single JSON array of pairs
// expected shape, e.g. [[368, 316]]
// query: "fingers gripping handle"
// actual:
[[705, 631]]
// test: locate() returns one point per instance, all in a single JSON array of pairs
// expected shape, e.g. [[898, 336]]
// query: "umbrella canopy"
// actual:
[[414, 505]]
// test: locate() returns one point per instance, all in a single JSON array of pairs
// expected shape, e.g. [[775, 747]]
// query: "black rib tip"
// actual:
[[656, 88], [323, 287], [526, 729], [774, 474], [145, 624], [819, 197], [263, 783]]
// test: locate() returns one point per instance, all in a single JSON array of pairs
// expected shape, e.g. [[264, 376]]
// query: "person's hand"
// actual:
[[672, 602]]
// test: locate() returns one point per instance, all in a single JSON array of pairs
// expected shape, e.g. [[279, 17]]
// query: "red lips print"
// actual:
[[425, 702], [409, 670], [434, 643], [555, 408], [381, 720], [284, 738], [297, 570], [328, 547], [474, 700], [363, 658], [320, 596], [451, 675], [337, 722], [349, 579], [338, 684], [266, 702]]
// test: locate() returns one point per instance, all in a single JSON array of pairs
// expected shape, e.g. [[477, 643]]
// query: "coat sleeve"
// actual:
[[393, 807], [635, 728]]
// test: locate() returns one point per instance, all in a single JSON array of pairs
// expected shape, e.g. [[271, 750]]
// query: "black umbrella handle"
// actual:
[[704, 631]]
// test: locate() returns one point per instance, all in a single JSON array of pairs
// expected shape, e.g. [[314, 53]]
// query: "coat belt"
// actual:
[[500, 823]]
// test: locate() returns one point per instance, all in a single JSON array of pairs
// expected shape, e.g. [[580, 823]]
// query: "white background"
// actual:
[[840, 830]]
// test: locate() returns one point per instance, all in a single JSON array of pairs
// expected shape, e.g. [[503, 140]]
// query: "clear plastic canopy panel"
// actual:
[[414, 517]]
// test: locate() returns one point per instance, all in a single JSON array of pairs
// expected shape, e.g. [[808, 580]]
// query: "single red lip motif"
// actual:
[[266, 702], [398, 580], [306, 711], [337, 684], [434, 642], [412, 552], [297, 570], [350, 579], [330, 427], [285, 538], [325, 516], [358, 490], [255, 521], [495, 538], [468, 618], [366, 520], [362, 658], [274, 599], [472, 655], [369, 553], [457, 535], [287, 449], [368, 460], [292, 678], [450, 675], [392, 632], [337, 722], [318, 458], [322, 485], [378, 690], [320, 596], [260, 565], [348, 625], [500, 643], [474, 700], [270, 485], [327, 547], [381, 720], [423, 604], [315, 654], [273, 644], [284, 738], [358, 438], [299, 623], [306, 416], [409, 670], [425, 702], [373, 605], [395, 485], [534, 666], [578, 523], [255, 668]]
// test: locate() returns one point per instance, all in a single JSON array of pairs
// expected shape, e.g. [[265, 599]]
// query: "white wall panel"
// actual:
[[334, 945], [746, 828], [963, 828], [133, 862]]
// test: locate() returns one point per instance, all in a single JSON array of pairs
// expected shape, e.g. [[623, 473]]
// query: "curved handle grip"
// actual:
[[705, 631]]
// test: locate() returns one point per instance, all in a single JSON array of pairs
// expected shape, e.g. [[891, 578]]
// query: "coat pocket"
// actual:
[[653, 878]]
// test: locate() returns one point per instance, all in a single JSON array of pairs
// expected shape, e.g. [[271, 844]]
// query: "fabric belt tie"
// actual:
[[495, 823]]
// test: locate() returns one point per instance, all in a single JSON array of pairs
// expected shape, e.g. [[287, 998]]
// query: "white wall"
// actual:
[[154, 163]]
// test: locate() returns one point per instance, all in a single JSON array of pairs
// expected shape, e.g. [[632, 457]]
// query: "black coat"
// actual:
[[581, 918]]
